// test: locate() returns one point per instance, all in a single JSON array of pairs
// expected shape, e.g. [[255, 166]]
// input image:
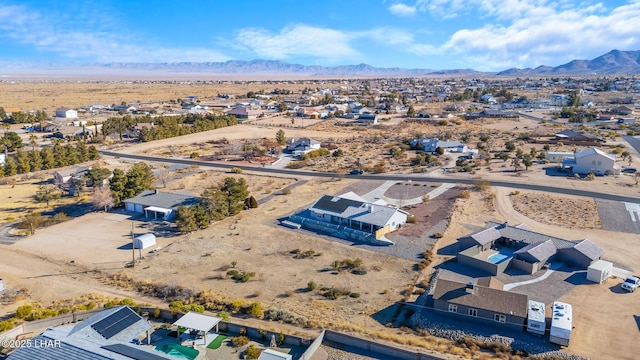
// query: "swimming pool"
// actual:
[[177, 350], [497, 258]]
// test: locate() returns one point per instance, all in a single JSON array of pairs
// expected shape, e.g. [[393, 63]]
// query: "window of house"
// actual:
[[473, 312], [599, 163], [535, 326], [453, 308], [500, 318]]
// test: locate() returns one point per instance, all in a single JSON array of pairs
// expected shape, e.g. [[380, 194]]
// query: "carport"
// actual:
[[157, 210], [199, 322]]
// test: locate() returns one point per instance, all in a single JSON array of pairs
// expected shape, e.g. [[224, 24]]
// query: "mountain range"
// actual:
[[613, 62]]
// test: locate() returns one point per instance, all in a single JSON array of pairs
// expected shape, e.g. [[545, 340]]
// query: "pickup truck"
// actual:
[[631, 284]]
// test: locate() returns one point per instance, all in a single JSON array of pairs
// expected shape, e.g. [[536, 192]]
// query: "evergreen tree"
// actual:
[[411, 112], [23, 165], [82, 151], [60, 155], [48, 160], [185, 220], [93, 153], [35, 160], [97, 175], [235, 191], [10, 167], [139, 178], [71, 155], [280, 137], [201, 217], [117, 185]]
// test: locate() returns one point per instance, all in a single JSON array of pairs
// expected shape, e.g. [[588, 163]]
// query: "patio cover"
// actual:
[[196, 321]]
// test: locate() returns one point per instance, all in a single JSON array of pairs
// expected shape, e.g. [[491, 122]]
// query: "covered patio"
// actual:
[[198, 323], [155, 210]]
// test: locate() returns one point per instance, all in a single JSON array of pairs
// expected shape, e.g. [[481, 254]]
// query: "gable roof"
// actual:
[[351, 206], [520, 233], [589, 249], [594, 151], [484, 236], [163, 199], [498, 301], [539, 251]]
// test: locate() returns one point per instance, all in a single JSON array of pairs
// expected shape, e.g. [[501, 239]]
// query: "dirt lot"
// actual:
[[558, 210]]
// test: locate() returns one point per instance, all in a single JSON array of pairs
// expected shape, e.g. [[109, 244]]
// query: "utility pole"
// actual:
[[133, 247]]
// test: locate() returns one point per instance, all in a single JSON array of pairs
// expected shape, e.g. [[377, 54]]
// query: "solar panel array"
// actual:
[[116, 322], [132, 352]]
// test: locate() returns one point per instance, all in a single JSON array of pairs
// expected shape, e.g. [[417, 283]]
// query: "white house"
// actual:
[[558, 156], [2, 159], [594, 160], [66, 113], [430, 145], [302, 146]]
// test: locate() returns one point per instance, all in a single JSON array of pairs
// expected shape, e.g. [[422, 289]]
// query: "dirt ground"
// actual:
[[581, 213]]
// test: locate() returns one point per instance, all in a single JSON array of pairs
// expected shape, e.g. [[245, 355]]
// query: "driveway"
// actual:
[[619, 216]]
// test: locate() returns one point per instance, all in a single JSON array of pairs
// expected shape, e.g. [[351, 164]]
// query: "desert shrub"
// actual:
[[311, 285], [515, 192], [256, 310], [223, 315], [236, 305], [379, 168], [411, 219], [296, 164], [334, 293], [359, 271], [236, 170], [239, 341], [6, 325], [482, 184], [24, 311], [437, 235], [298, 254], [252, 352], [354, 295], [286, 191], [465, 194], [194, 155], [240, 276], [156, 312], [280, 338]]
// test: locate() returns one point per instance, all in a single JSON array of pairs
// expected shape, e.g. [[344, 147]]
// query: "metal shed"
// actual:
[[144, 241], [599, 271], [561, 320]]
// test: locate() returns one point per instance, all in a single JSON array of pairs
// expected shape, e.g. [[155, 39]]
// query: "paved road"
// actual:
[[633, 141], [382, 177]]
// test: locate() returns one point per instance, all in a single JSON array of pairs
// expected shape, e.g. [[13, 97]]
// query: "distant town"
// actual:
[[431, 217]]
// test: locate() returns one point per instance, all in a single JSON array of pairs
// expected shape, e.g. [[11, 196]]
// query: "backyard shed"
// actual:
[[144, 241], [561, 316], [536, 322], [269, 354], [599, 271]]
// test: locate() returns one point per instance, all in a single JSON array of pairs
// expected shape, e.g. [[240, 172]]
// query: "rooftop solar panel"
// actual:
[[116, 322], [132, 352], [336, 204]]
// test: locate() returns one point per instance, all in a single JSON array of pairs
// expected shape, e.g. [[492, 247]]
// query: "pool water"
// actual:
[[178, 351], [498, 258]]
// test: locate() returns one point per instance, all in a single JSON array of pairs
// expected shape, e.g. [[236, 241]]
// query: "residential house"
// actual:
[[489, 113], [302, 146], [368, 118], [309, 113], [574, 136], [431, 144], [109, 334], [351, 217], [500, 246], [124, 108], [484, 301], [159, 205], [592, 160], [623, 110], [63, 177], [66, 113], [242, 112], [558, 156], [488, 98], [70, 132]]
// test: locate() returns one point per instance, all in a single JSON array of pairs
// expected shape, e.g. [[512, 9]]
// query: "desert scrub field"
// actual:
[[556, 210]]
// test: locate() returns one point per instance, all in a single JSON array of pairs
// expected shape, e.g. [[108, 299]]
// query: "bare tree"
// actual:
[[102, 198]]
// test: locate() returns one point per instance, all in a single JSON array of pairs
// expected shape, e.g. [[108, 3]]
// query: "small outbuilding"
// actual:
[[270, 354], [1, 285], [599, 271], [561, 320], [144, 241]]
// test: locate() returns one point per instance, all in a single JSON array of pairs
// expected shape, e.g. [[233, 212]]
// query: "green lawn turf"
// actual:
[[217, 342]]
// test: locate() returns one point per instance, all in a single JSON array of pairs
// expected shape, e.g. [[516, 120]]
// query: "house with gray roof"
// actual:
[[351, 217], [500, 246], [485, 302], [431, 144], [108, 334], [302, 146], [159, 205]]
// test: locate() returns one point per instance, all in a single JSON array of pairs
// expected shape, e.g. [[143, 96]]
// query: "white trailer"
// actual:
[[599, 271], [144, 241], [536, 319], [561, 317]]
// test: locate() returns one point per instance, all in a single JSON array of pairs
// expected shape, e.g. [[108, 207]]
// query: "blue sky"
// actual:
[[438, 34]]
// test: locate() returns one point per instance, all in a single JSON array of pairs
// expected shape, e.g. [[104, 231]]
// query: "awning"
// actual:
[[196, 321], [158, 209]]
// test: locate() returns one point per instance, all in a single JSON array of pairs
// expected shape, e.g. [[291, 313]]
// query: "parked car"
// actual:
[[356, 172], [629, 170], [631, 283]]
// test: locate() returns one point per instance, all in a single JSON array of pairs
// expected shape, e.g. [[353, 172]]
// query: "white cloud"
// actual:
[[402, 9], [523, 33], [100, 43], [298, 40]]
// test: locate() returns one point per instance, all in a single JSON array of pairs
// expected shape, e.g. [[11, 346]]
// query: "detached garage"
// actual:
[[144, 241], [599, 271], [159, 205]]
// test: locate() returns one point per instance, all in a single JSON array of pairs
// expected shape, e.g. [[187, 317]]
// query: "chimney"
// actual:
[[470, 288]]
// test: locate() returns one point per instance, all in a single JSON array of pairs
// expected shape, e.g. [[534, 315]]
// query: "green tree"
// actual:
[[33, 141], [139, 178], [46, 193], [93, 153], [251, 202], [214, 203], [527, 161], [235, 191], [504, 156], [23, 163], [185, 220], [11, 141], [3, 114], [515, 162], [282, 107], [411, 112], [280, 137], [510, 146], [10, 167], [117, 185], [82, 151], [97, 175], [439, 151], [201, 216], [48, 160]]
